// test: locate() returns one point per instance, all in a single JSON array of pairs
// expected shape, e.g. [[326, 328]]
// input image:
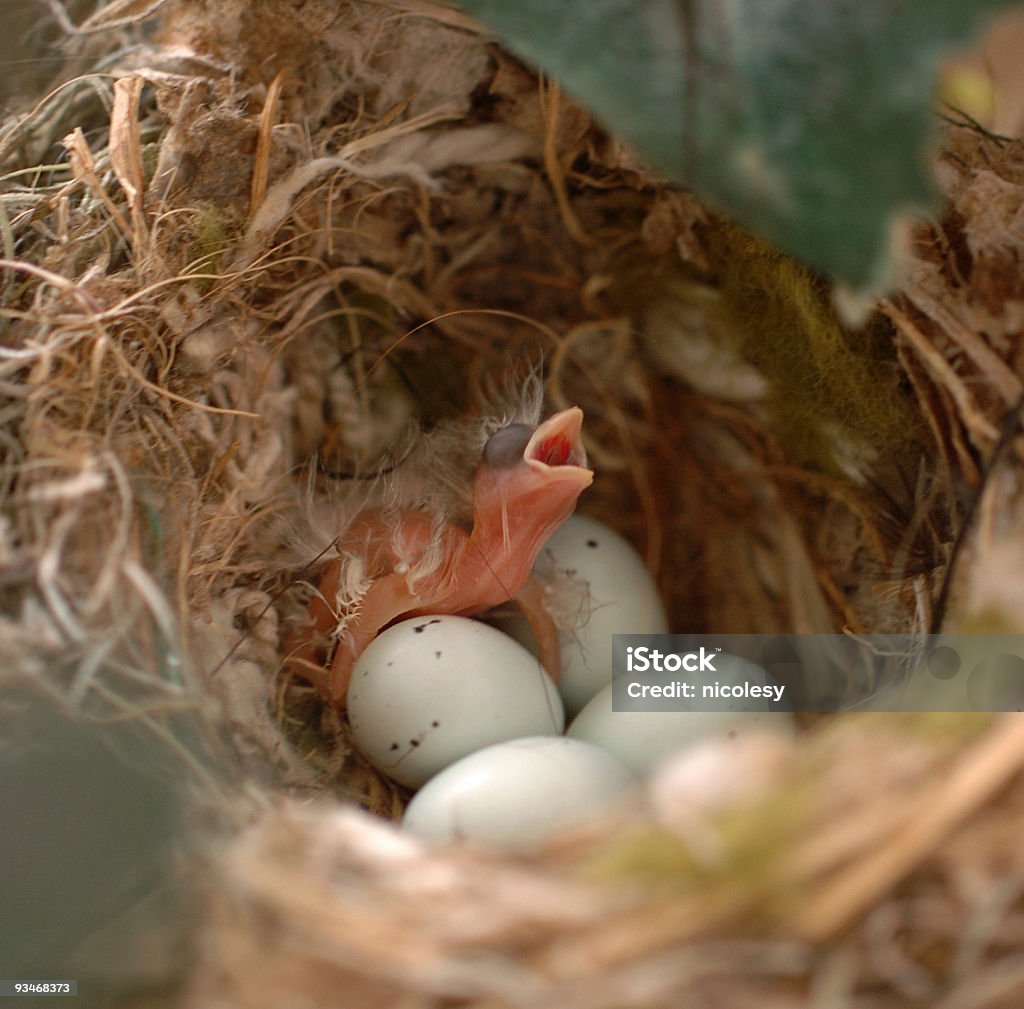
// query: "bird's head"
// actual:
[[527, 483]]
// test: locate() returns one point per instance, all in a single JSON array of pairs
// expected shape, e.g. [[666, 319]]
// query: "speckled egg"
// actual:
[[520, 794], [644, 739], [430, 690], [598, 586]]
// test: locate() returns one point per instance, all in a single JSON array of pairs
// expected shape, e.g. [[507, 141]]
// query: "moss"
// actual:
[[650, 855], [821, 374], [751, 844], [212, 235]]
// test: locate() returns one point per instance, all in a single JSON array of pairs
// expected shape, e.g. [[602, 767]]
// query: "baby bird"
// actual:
[[410, 563]]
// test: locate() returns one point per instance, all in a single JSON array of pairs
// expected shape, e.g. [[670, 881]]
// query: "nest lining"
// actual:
[[313, 225]]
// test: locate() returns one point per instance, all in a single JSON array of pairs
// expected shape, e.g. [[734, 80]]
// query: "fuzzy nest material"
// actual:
[[246, 246]]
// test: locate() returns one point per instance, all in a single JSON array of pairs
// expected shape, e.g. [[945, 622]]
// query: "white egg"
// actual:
[[598, 587], [519, 794], [432, 689], [643, 739]]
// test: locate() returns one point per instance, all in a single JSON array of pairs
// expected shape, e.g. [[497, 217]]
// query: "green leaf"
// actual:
[[807, 121]]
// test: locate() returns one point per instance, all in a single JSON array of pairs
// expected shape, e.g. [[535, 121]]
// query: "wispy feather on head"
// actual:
[[430, 471]]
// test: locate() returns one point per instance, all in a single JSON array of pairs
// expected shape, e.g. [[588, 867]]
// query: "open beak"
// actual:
[[556, 448]]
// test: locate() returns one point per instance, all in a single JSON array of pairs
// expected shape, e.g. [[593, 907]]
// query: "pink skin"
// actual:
[[517, 504]]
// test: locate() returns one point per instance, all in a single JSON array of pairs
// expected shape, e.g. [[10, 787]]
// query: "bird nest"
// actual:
[[246, 245]]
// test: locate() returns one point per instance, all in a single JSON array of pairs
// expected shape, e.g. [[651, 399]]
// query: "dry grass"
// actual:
[[248, 246]]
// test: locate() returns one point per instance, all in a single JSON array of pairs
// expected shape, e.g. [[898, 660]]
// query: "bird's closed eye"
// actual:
[[505, 448]]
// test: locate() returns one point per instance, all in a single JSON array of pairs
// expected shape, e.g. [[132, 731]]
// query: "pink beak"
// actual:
[[556, 450]]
